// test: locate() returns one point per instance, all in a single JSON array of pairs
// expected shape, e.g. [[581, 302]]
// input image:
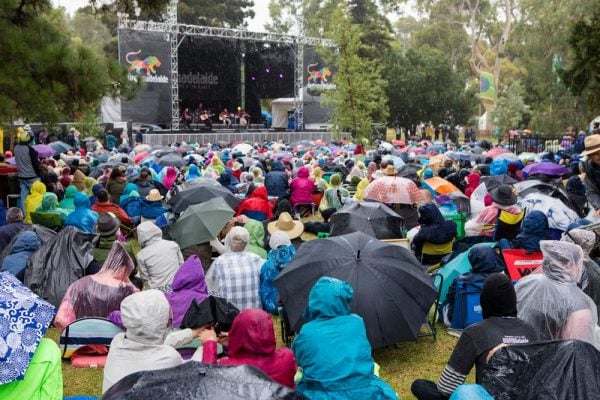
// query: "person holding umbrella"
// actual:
[[333, 350]]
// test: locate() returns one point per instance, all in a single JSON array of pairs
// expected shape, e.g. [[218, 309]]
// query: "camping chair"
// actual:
[[520, 263], [47, 219], [327, 176], [287, 334], [317, 197], [301, 208], [430, 322], [508, 225], [432, 254], [87, 331]]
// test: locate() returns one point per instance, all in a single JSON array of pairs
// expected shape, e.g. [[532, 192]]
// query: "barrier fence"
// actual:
[[232, 137]]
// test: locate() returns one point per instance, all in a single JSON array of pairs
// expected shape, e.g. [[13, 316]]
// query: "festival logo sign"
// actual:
[[146, 67], [319, 77]]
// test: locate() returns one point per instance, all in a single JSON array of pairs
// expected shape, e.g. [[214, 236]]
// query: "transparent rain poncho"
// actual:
[[100, 294], [552, 301]]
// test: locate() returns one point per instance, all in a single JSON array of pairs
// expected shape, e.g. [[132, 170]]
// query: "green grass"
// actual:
[[400, 364]]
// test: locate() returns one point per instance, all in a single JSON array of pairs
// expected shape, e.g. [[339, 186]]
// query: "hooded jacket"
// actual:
[[576, 193], [24, 246], [227, 180], [257, 205], [276, 181], [257, 238], [252, 342], [169, 179], [193, 173], [159, 259], [50, 205], [132, 205], [116, 187], [68, 202], [277, 259], [83, 218], [533, 229], [333, 350], [189, 284], [145, 344], [473, 180], [152, 209], [434, 228], [34, 199], [130, 187], [102, 207], [302, 188]]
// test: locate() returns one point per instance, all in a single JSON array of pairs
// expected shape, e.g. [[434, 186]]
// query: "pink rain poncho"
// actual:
[[100, 294], [552, 302]]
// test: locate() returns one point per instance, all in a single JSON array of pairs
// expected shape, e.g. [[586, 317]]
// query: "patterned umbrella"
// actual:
[[393, 190], [24, 319]]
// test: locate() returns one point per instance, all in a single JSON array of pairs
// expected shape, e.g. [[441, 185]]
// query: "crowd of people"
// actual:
[[131, 270]]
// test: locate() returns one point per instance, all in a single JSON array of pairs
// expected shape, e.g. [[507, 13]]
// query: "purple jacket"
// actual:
[[189, 284], [302, 187]]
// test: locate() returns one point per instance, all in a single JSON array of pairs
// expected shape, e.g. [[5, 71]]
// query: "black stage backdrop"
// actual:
[[147, 54]]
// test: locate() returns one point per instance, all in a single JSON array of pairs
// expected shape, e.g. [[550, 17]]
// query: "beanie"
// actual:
[[498, 297]]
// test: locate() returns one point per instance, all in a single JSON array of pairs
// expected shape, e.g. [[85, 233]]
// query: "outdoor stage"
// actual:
[[230, 136]]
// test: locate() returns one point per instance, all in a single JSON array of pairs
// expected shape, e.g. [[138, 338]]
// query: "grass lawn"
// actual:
[[400, 365]]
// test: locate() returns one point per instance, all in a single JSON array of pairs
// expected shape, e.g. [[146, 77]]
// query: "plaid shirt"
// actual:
[[236, 277]]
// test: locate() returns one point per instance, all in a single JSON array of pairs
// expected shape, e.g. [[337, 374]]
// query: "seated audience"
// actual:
[[252, 342], [533, 230], [500, 327], [68, 203], [100, 294], [26, 243], [280, 255], [302, 188], [34, 199], [235, 275], [256, 231], [256, 205], [83, 218], [103, 205], [333, 350], [188, 285], [434, 229], [14, 225], [50, 205]]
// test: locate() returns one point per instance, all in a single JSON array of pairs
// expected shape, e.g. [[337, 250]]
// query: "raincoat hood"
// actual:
[[130, 187], [563, 261], [81, 200], [193, 172], [70, 192], [148, 232], [473, 180], [26, 241], [484, 260], [277, 166], [256, 231], [169, 179], [38, 188], [584, 238], [118, 263], [189, 284], [260, 193], [535, 223], [50, 201], [303, 172], [252, 333], [328, 298], [225, 178], [146, 316], [575, 186], [429, 214]]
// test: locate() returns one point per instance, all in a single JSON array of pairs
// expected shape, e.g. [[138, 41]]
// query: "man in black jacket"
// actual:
[[592, 171]]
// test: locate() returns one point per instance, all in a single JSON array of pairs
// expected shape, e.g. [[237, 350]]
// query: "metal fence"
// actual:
[[232, 137], [539, 143]]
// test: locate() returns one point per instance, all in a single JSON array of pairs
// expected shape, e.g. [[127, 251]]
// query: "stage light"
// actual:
[[280, 76], [253, 78], [267, 70]]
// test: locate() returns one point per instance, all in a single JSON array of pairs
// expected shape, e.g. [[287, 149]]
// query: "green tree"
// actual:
[[583, 76], [46, 75], [424, 87], [230, 13], [91, 31], [359, 97], [511, 108]]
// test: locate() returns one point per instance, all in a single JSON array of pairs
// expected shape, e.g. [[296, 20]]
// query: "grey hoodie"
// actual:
[[145, 345], [159, 259]]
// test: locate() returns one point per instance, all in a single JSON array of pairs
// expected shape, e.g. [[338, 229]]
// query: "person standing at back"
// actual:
[[28, 163]]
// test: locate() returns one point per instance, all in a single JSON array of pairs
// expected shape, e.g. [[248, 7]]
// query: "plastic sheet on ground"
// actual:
[[197, 381], [559, 370]]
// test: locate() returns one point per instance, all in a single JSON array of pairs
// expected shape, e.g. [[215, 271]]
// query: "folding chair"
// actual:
[[47, 219], [87, 331], [432, 254], [432, 330], [299, 207]]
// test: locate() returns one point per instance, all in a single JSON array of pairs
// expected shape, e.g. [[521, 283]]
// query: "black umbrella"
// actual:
[[170, 160], [392, 292], [212, 310], [373, 218], [492, 182], [198, 381], [199, 193], [536, 186]]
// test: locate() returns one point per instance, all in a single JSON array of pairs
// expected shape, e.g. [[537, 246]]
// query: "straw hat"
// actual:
[[154, 195], [592, 145], [390, 171], [286, 224]]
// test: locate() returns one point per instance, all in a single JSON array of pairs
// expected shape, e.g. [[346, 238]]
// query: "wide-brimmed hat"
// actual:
[[236, 166], [390, 171], [286, 224], [592, 145], [504, 195], [154, 195], [107, 224]]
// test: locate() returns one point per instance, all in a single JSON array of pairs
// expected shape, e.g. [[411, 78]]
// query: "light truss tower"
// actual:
[[173, 30], [299, 71]]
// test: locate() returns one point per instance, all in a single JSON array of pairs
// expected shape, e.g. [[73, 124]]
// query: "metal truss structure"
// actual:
[[176, 32]]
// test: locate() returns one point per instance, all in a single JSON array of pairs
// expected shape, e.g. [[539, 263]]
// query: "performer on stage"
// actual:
[[205, 118], [186, 118], [225, 117]]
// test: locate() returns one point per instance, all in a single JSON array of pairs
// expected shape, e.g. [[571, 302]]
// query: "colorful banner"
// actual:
[[487, 87]]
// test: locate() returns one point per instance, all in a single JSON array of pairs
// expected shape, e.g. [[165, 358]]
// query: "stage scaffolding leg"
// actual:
[[173, 36]]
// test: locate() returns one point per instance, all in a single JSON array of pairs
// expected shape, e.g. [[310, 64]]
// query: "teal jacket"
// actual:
[[333, 350]]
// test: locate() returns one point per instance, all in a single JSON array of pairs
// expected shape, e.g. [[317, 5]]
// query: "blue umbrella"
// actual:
[[60, 147], [24, 319]]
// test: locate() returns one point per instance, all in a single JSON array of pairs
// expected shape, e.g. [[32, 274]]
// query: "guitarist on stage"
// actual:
[[225, 117], [205, 118]]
